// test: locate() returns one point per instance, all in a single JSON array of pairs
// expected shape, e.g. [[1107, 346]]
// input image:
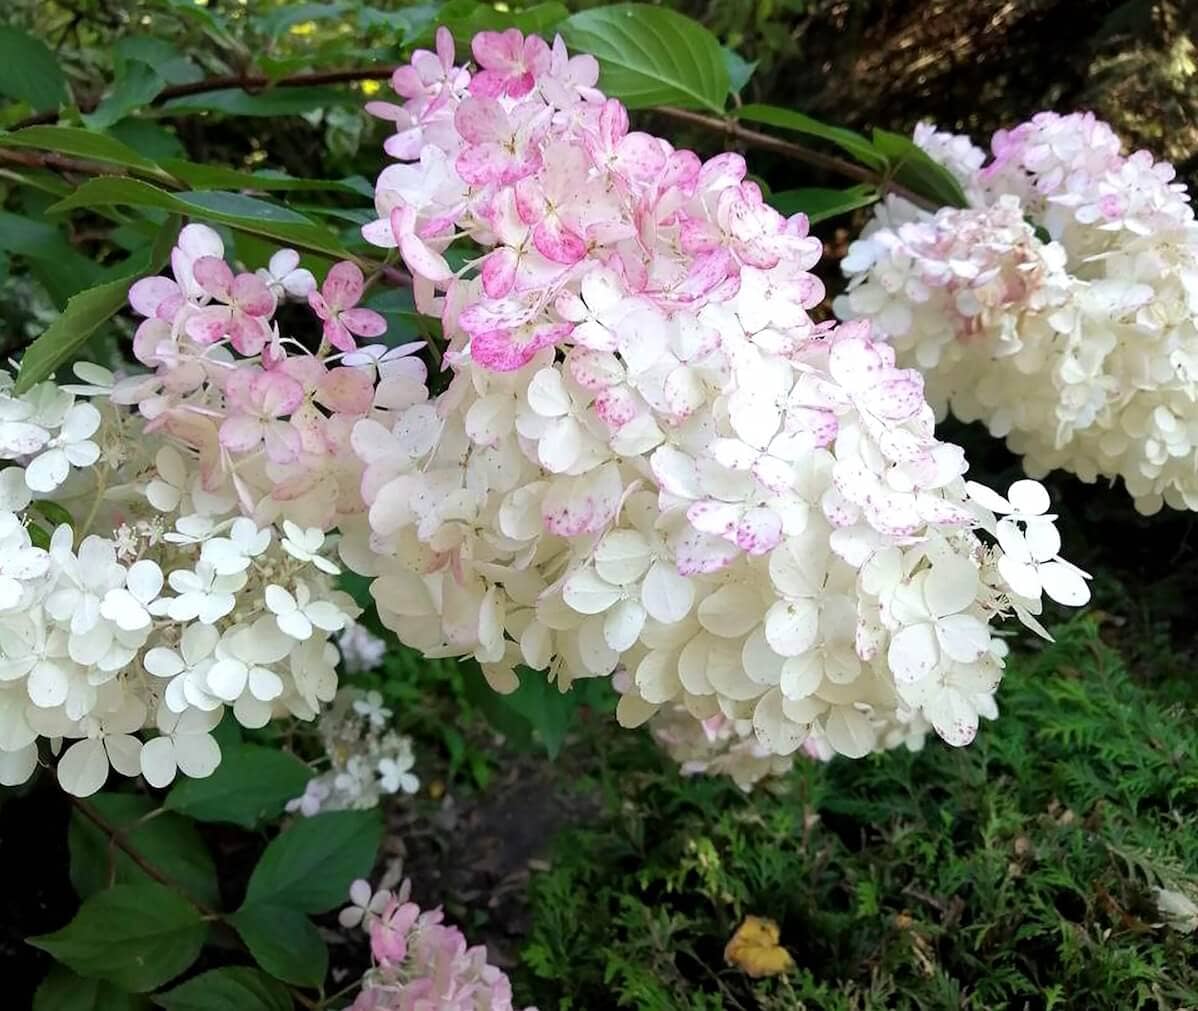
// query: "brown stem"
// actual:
[[118, 839], [117, 835], [799, 152]]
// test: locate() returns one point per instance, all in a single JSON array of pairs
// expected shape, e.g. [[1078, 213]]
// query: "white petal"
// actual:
[[587, 593], [158, 762], [951, 586], [622, 625], [17, 766], [279, 600], [914, 653], [1064, 583], [1029, 497], [198, 755], [963, 637], [622, 556], [226, 679], [295, 624], [953, 716], [850, 732], [83, 768], [731, 611], [165, 663], [774, 730], [791, 627], [761, 663], [667, 595]]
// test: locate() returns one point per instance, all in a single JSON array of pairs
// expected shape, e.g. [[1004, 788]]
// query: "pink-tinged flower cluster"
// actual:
[[269, 417], [649, 455], [1060, 307], [420, 962], [195, 575]]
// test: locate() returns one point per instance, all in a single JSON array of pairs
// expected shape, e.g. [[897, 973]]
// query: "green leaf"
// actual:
[[739, 70], [174, 67], [86, 311], [62, 990], [251, 785], [535, 706], [136, 84], [79, 143], [234, 209], [279, 20], [167, 841], [269, 102], [29, 72], [284, 942], [651, 56], [234, 988], [820, 204], [136, 936], [219, 177], [918, 171], [310, 866], [848, 140], [465, 18], [404, 321], [148, 139]]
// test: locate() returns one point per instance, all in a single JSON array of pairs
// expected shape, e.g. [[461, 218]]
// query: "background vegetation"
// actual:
[[1020, 873]]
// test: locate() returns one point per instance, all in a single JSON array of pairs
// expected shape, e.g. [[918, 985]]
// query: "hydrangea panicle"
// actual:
[[649, 456], [1060, 307]]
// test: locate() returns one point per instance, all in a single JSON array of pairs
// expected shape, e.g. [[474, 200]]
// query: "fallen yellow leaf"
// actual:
[[754, 949]]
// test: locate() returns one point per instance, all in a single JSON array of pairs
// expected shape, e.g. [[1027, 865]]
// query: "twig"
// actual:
[[118, 838], [729, 127], [799, 152]]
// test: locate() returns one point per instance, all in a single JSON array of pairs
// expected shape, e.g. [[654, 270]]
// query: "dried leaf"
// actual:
[[754, 949]]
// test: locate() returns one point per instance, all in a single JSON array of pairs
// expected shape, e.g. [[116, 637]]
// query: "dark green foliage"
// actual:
[[1015, 873]]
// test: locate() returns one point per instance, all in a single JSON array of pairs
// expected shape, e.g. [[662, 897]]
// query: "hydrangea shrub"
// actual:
[[648, 457]]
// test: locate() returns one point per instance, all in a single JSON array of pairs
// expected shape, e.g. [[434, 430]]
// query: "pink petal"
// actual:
[[209, 325], [557, 243], [363, 322], [277, 394], [283, 442], [759, 531], [147, 294], [336, 334], [640, 156], [253, 296], [480, 120], [424, 260], [248, 334], [346, 391], [343, 286], [214, 276], [499, 271], [240, 433]]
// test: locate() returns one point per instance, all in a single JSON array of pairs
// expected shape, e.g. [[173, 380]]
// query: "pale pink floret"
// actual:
[[511, 63], [335, 302], [257, 402], [243, 315]]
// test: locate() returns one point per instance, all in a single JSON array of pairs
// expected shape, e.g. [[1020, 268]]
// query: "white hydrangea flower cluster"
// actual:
[[183, 609], [367, 759], [649, 455], [1060, 307]]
